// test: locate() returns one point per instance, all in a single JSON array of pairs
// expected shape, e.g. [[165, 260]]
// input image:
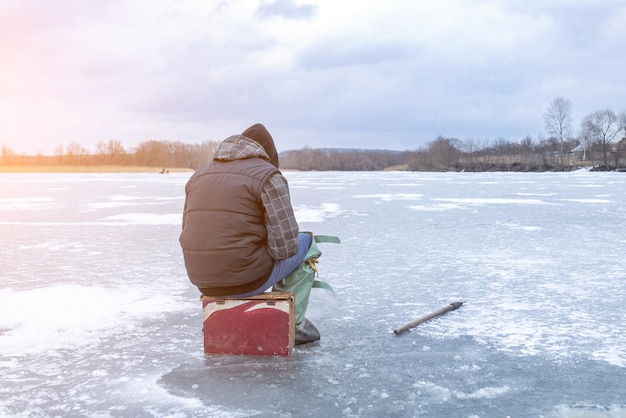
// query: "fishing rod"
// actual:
[[450, 307]]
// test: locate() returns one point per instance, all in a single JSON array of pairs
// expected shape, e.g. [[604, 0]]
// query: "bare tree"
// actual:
[[620, 151], [111, 150], [444, 152], [585, 139], [471, 148], [153, 153], [602, 126], [558, 119], [74, 153], [7, 155], [526, 149]]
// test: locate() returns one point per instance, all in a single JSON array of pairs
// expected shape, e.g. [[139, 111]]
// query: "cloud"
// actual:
[[350, 52], [287, 9], [318, 73]]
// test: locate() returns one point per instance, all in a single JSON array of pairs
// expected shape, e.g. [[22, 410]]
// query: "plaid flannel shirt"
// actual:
[[280, 221]]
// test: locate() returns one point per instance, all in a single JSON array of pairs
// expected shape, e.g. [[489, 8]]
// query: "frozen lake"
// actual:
[[98, 319]]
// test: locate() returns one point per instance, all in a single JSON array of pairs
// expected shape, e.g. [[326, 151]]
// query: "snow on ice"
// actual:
[[97, 317]]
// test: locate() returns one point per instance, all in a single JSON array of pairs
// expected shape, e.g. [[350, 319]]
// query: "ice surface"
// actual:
[[97, 317]]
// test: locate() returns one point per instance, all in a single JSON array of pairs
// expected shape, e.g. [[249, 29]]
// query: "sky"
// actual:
[[366, 74]]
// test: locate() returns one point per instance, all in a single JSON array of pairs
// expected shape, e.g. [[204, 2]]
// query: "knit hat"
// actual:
[[260, 134]]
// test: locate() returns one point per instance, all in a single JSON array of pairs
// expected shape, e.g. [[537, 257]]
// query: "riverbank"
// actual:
[[89, 169]]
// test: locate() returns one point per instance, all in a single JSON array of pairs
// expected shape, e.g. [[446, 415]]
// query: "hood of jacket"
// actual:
[[239, 147], [260, 134]]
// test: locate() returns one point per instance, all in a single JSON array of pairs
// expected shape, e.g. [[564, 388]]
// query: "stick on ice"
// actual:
[[450, 307]]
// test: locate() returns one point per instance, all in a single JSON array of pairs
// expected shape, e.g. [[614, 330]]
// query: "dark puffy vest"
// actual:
[[224, 237]]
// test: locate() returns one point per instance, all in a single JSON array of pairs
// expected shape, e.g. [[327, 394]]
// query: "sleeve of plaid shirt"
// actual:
[[280, 221]]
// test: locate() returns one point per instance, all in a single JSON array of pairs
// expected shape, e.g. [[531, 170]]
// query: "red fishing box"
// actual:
[[261, 325]]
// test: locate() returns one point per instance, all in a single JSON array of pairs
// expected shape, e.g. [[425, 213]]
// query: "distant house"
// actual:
[[619, 152], [578, 152]]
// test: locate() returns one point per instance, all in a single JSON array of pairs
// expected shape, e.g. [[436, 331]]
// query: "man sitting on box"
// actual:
[[240, 235]]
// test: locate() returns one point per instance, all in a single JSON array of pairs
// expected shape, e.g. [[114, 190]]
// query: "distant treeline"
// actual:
[[152, 153], [442, 154], [450, 154]]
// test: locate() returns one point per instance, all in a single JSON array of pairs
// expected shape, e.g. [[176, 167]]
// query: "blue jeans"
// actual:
[[283, 268]]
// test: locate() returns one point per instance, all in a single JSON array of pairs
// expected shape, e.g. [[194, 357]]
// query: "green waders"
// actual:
[[300, 282]]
